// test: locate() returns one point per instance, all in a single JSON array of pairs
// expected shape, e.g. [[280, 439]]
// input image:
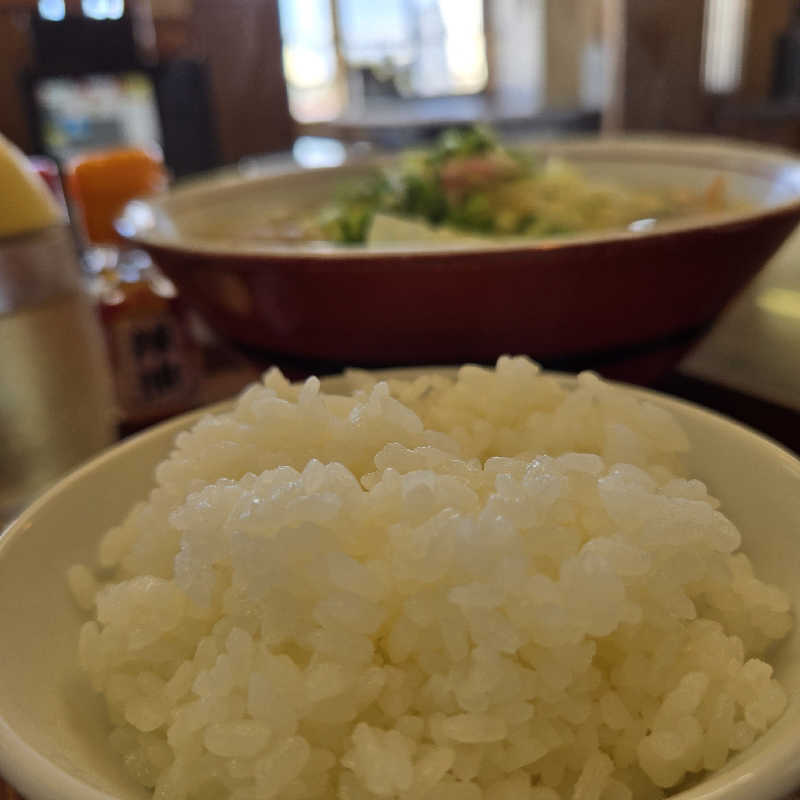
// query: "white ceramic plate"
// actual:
[[52, 729]]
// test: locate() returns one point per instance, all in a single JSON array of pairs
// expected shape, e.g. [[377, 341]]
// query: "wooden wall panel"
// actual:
[[14, 57], [240, 40], [767, 19]]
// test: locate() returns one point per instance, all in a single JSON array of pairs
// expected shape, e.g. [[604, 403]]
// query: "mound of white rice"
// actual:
[[491, 587]]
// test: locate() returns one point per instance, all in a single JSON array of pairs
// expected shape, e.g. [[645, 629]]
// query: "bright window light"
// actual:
[[723, 44], [51, 9], [103, 9]]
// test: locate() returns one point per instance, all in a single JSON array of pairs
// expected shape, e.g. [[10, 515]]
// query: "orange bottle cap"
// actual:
[[101, 183]]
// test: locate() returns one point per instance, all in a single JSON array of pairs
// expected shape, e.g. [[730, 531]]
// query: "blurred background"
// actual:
[[213, 82]]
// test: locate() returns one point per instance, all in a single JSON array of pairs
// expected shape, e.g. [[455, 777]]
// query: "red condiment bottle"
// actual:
[[154, 357]]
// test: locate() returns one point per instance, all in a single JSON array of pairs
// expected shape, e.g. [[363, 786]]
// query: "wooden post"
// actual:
[[656, 55], [614, 35]]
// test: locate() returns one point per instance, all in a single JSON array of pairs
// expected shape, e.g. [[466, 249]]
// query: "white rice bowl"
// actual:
[[490, 587]]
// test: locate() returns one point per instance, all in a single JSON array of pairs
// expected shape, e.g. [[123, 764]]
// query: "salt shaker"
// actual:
[[56, 396]]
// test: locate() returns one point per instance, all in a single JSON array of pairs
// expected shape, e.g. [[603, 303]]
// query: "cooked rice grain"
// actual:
[[489, 587]]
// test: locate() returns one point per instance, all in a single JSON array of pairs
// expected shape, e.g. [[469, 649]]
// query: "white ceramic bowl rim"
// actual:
[[139, 220], [778, 768]]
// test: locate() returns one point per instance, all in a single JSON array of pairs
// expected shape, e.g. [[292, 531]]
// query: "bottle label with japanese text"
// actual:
[[156, 373]]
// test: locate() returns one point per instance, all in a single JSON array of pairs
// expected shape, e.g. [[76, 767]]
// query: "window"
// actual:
[[340, 51], [723, 44], [310, 61], [519, 61], [53, 10]]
